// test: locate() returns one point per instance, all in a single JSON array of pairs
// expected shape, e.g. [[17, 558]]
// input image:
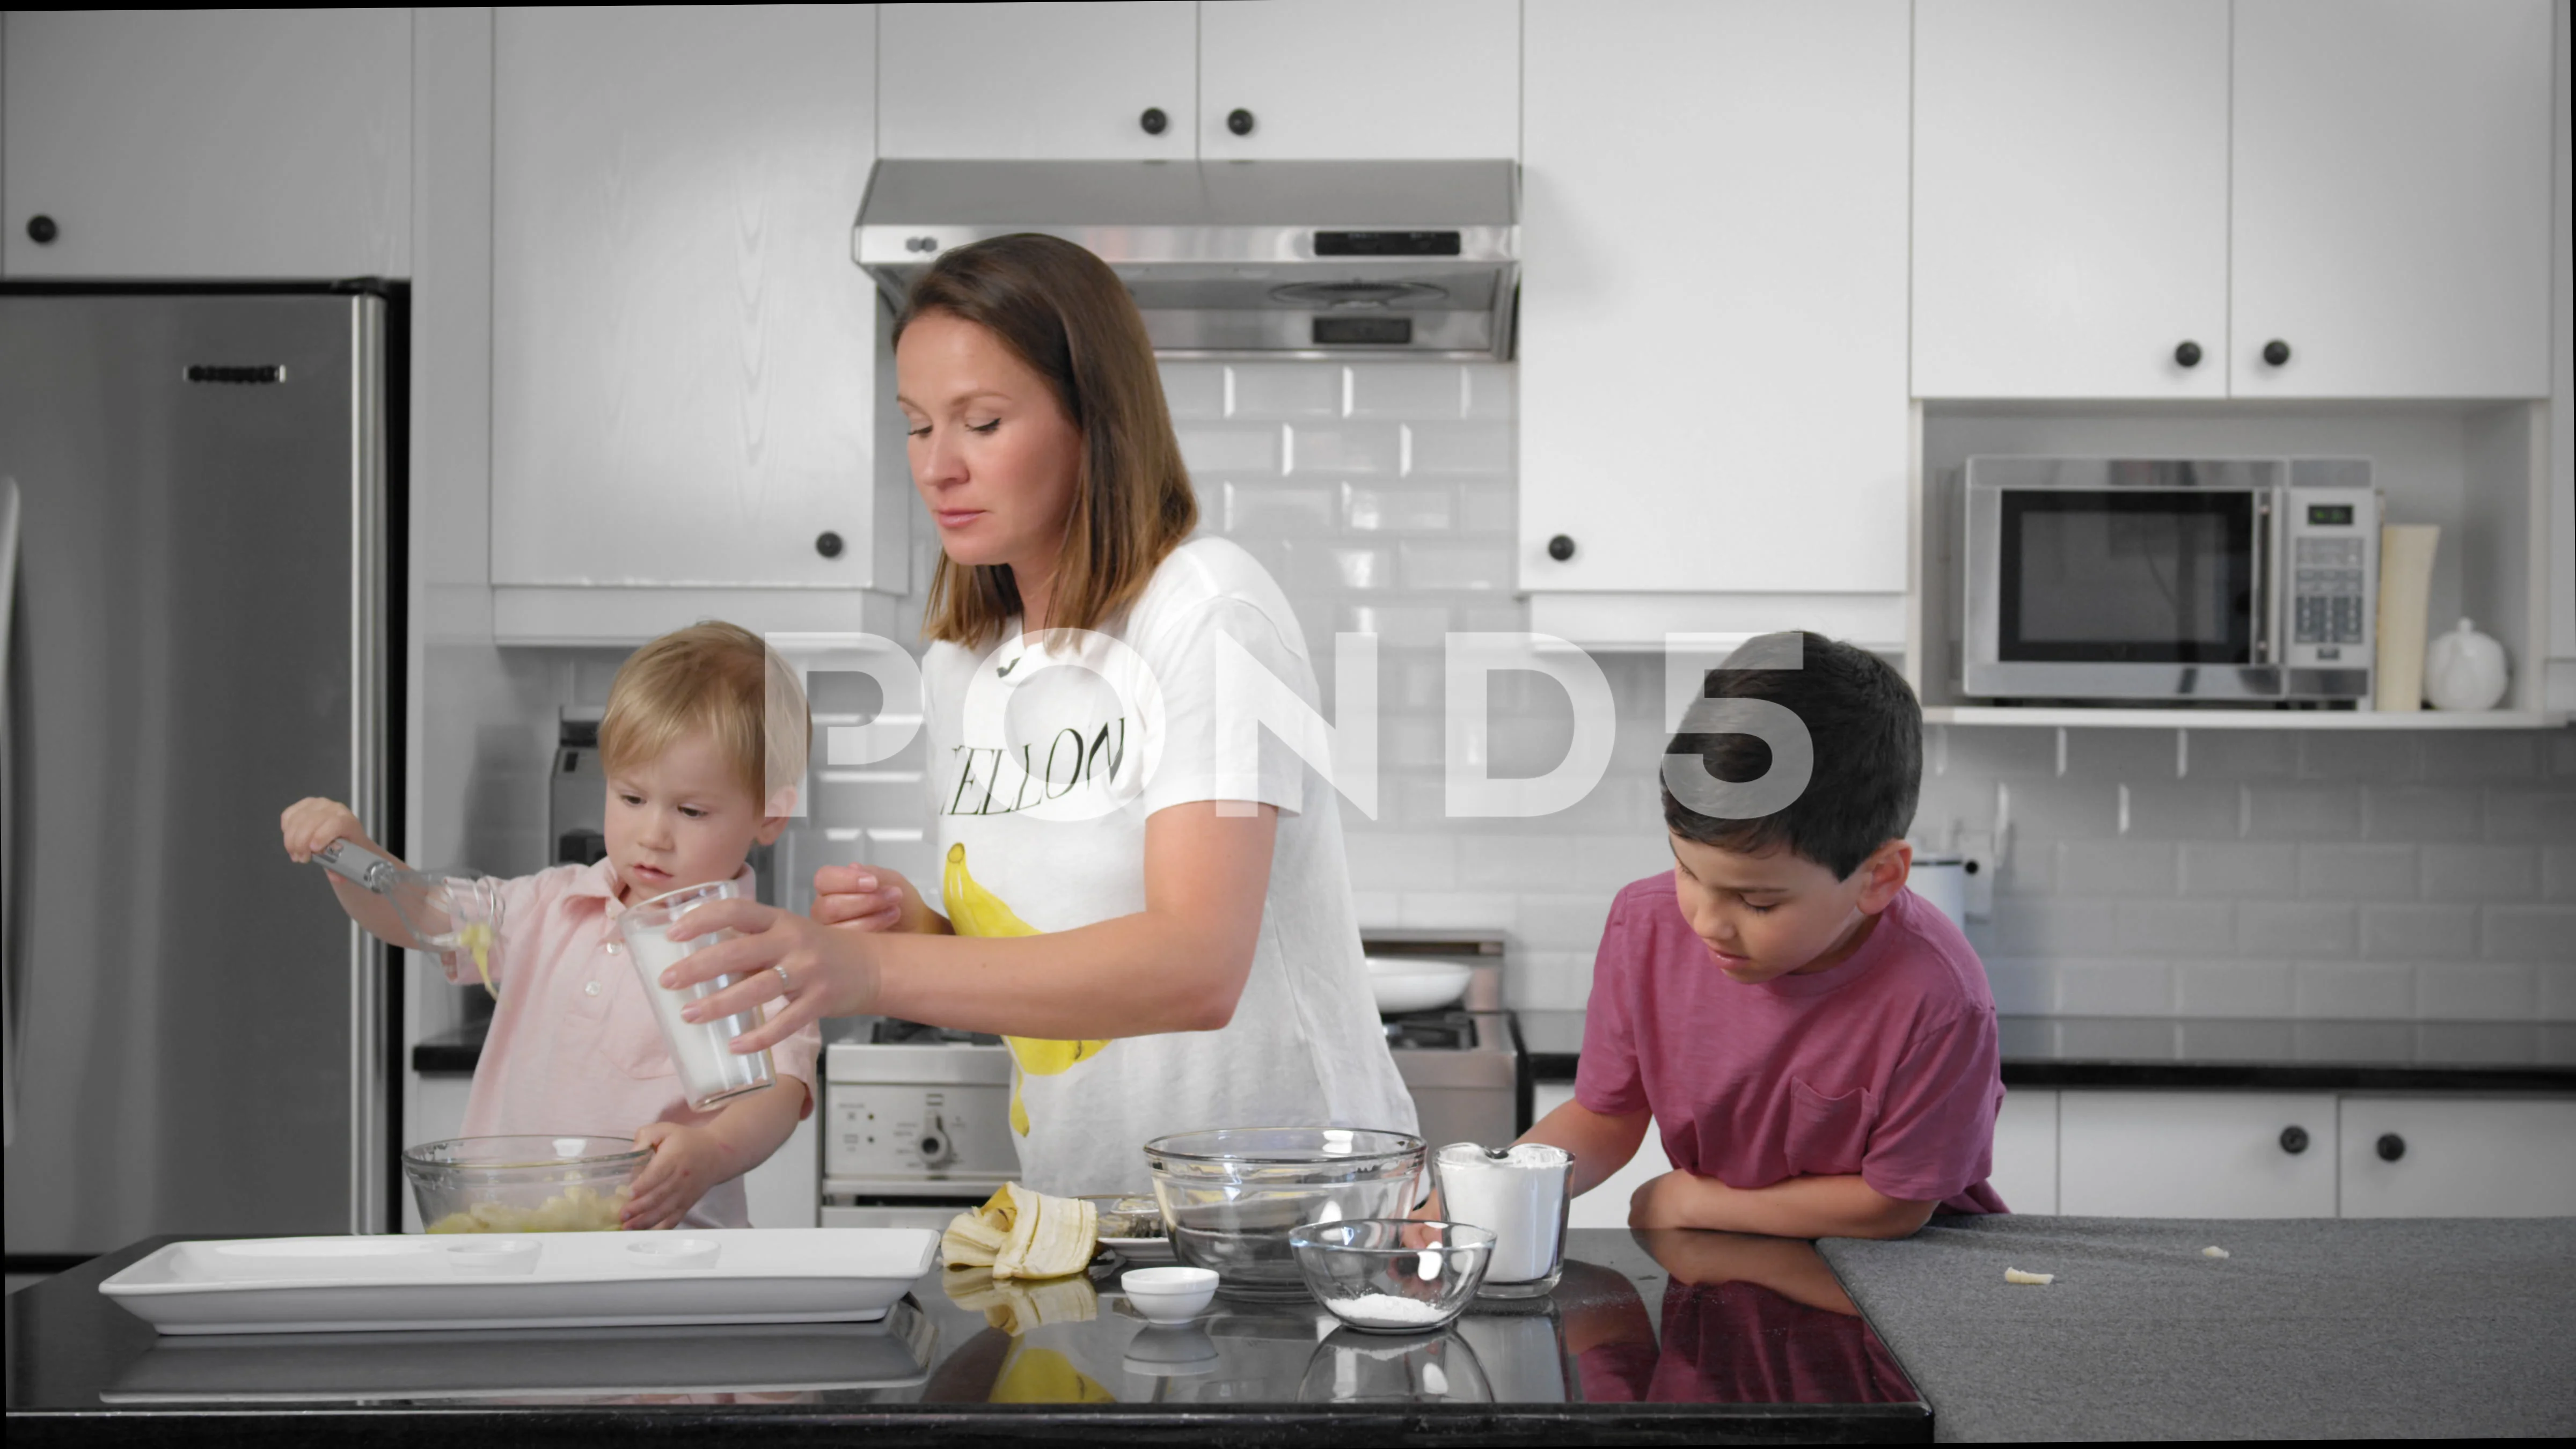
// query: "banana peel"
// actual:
[[1020, 1233], [975, 911]]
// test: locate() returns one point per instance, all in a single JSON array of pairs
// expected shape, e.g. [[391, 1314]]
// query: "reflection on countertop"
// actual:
[[1642, 1327], [2151, 1051]]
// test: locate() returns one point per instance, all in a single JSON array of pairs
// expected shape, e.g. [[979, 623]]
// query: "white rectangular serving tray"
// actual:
[[534, 1280]]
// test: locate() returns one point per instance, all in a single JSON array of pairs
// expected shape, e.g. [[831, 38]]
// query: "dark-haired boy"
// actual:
[[1816, 1042]]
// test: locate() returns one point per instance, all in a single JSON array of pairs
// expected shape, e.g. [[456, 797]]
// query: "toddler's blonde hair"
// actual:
[[724, 680]]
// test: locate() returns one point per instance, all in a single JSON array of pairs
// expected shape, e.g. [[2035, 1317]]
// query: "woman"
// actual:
[[1164, 954]]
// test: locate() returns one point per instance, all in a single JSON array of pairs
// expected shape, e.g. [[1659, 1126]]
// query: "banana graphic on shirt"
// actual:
[[975, 911]]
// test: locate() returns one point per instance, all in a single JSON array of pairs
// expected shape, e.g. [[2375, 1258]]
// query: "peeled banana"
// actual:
[[1023, 1234], [975, 911]]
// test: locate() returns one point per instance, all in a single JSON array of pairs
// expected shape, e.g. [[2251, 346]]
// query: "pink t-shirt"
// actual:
[[1885, 1065], [574, 1047]]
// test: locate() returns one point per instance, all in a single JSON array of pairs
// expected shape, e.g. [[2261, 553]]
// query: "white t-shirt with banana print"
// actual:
[[1046, 762]]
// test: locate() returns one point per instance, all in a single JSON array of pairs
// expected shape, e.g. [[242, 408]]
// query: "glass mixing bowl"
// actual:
[[523, 1184], [1402, 1275], [1230, 1197]]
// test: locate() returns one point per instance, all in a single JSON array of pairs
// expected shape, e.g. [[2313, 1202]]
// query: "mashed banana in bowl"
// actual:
[[574, 1210]]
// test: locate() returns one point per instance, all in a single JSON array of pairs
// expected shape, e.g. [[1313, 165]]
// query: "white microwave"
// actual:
[[2170, 580]]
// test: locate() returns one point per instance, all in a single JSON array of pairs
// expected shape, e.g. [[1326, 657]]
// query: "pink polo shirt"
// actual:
[[1886, 1065], [574, 1046]]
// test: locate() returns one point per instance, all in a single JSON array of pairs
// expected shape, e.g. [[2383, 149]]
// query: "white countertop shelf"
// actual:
[[2246, 719]]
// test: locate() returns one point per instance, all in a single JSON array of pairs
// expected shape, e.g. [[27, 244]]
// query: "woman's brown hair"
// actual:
[[1064, 313]]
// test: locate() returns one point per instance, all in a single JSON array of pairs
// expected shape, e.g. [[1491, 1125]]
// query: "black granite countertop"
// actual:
[[1661, 1337], [2328, 1056]]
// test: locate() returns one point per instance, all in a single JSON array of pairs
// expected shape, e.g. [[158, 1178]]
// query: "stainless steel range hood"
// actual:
[[1226, 258]]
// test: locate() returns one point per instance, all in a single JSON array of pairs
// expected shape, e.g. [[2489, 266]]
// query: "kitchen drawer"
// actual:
[[2467, 1157], [2196, 1155]]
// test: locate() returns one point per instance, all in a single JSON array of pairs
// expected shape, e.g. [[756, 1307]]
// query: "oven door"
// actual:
[[2119, 592]]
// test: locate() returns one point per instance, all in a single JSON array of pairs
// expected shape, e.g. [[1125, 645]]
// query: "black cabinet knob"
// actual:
[[828, 544], [2391, 1147], [1239, 121], [2294, 1140], [1560, 548], [2188, 354], [1153, 120], [2276, 352], [42, 231]]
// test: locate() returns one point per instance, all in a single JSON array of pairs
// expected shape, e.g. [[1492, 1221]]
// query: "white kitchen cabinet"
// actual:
[[2391, 192], [207, 144], [1606, 1206], [1039, 82], [1713, 325], [1360, 79], [2416, 1157], [2025, 1170], [684, 382], [2070, 198], [2171, 1154]]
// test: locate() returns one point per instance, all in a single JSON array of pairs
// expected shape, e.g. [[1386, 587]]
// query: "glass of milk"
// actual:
[[710, 1069], [1520, 1195]]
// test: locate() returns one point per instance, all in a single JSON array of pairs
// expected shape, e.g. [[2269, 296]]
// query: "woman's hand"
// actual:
[[821, 971], [873, 898], [687, 1161]]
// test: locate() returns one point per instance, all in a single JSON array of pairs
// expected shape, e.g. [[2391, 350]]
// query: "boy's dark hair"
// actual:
[[1867, 731]]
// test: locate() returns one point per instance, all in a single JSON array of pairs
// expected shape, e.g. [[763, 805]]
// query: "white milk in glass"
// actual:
[[710, 1069]]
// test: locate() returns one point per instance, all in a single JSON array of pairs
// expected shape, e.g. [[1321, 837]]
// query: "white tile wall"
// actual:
[[2368, 883]]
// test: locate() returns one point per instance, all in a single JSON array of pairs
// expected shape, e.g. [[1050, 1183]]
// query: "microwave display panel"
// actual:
[[2147, 576]]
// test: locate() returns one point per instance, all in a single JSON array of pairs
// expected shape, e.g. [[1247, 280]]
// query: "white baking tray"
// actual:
[[538, 1280]]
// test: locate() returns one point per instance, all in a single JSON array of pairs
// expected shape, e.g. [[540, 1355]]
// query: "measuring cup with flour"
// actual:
[[1520, 1194], [710, 1069]]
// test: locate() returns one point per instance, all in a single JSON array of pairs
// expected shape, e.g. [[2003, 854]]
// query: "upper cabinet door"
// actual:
[[2392, 186], [219, 144], [1039, 82], [683, 353], [1713, 311], [1360, 80], [2070, 198]]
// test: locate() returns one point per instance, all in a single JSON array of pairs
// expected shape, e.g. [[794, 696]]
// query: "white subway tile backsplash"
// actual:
[[2115, 868], [1194, 389], [2348, 872], [2135, 756], [1377, 908], [2243, 755], [1402, 862], [1477, 447], [2372, 756], [2062, 809], [1491, 388], [2238, 1041], [2239, 868], [1405, 391], [1323, 567], [2531, 813], [2558, 872], [1284, 391], [2232, 988], [1377, 508], [2420, 813], [1563, 922], [1607, 862], [2528, 933], [1398, 626], [1462, 909], [2557, 990], [2480, 872], [2425, 932], [2297, 928], [1486, 507], [1272, 509], [2476, 991], [2021, 987], [1347, 448], [2115, 988], [1252, 450], [2476, 756], [2193, 810], [2054, 928], [1455, 566], [2177, 928], [2302, 812], [2352, 990]]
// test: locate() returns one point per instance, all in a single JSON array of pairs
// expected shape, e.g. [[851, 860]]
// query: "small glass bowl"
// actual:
[[1392, 1275]]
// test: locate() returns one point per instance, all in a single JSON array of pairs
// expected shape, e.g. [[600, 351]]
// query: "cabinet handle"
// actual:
[[2276, 352], [42, 231], [1239, 121], [2188, 354], [828, 544], [1153, 120], [1560, 548], [2391, 1147], [2294, 1140]]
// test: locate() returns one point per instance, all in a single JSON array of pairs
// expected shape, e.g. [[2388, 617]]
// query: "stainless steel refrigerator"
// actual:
[[193, 492]]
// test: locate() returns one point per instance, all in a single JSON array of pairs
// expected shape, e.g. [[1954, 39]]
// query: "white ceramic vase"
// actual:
[[2465, 670]]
